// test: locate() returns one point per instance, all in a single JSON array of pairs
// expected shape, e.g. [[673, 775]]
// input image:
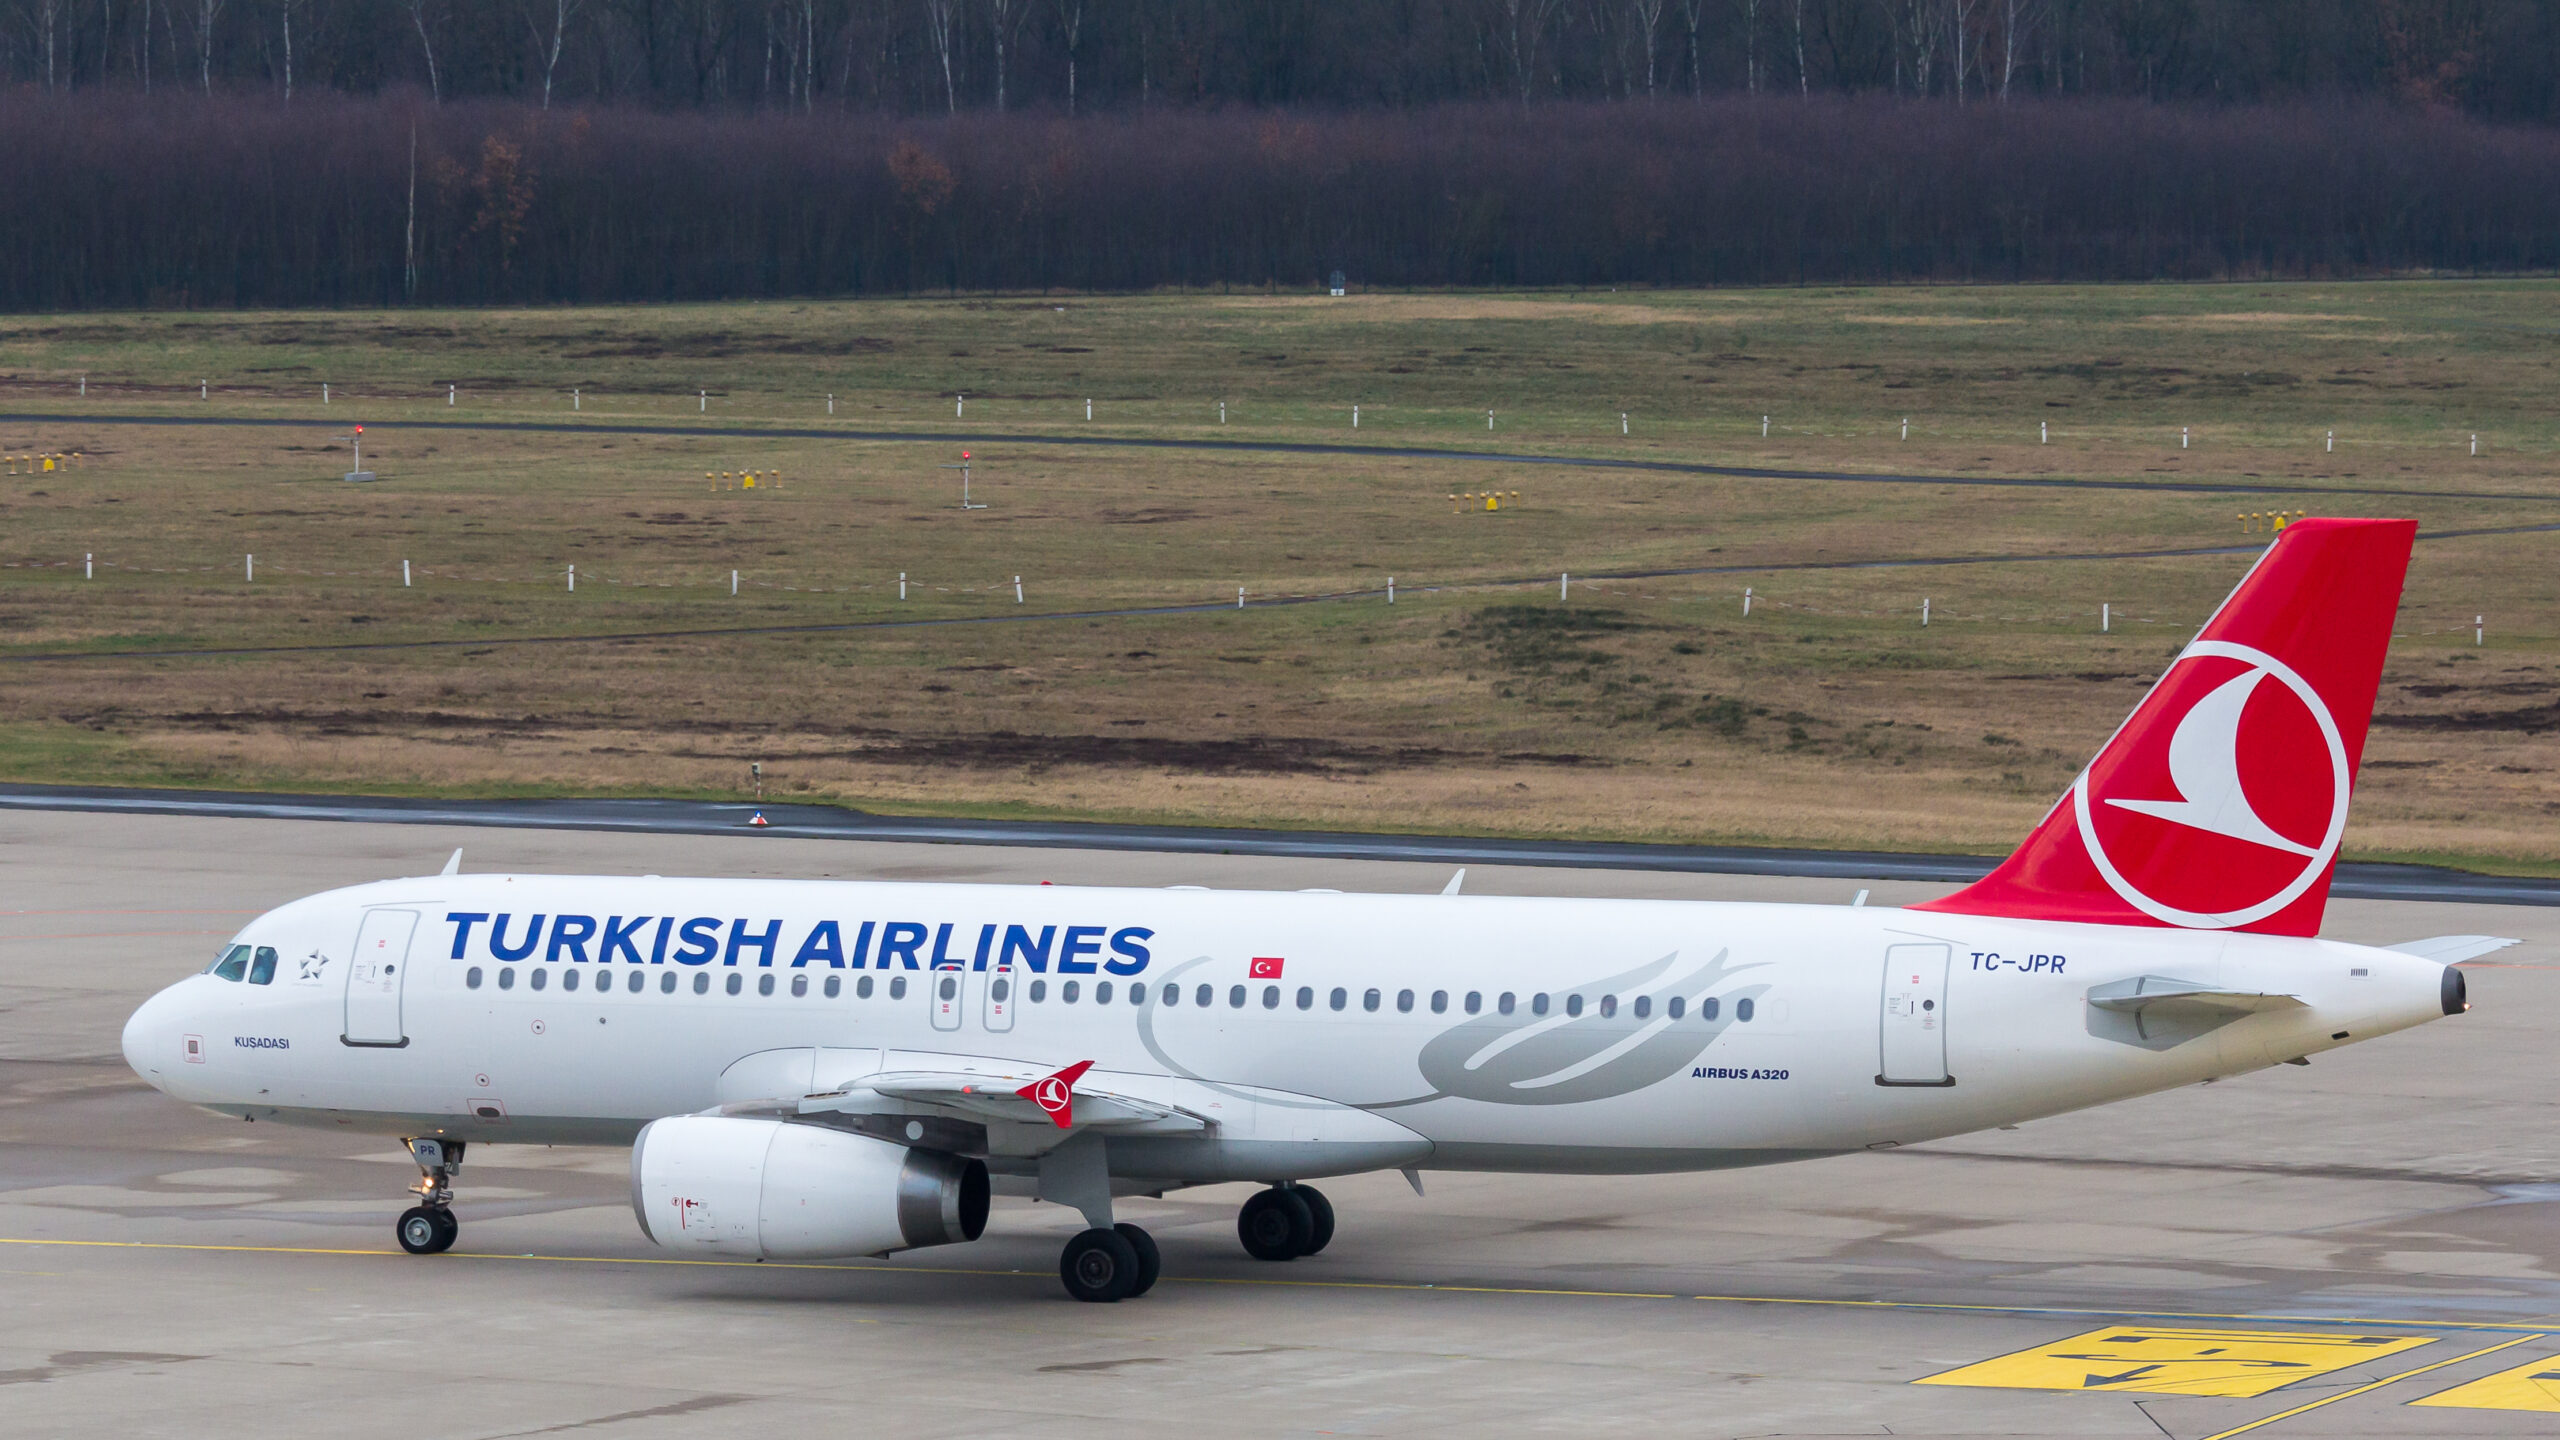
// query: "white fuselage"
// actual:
[[1438, 1032]]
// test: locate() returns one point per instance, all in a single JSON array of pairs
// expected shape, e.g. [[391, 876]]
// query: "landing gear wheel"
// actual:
[[423, 1231], [1322, 1210], [1276, 1225], [1099, 1266], [1150, 1262]]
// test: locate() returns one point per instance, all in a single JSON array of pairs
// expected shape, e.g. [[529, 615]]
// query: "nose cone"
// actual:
[[153, 1039]]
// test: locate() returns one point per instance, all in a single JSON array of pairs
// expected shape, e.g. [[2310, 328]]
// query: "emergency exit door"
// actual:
[[375, 976], [1914, 1041]]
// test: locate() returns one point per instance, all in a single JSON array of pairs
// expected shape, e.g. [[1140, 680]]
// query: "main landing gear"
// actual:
[[1285, 1222], [428, 1227], [1102, 1265]]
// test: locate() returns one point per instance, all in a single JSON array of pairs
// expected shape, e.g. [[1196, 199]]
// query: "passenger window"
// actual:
[[1067, 991], [1039, 991], [1138, 993], [764, 984], [799, 986], [667, 983], [1707, 1008], [737, 982], [1102, 992], [1369, 1000], [1173, 994], [835, 986], [1644, 1006], [1235, 998], [897, 987], [1439, 1002], [506, 978], [1404, 1002], [1001, 990], [701, 982], [1573, 1004], [540, 979], [1538, 1003], [862, 989], [1505, 1004], [1306, 997], [568, 980], [1204, 997], [1338, 999], [638, 982], [233, 965], [471, 978], [1673, 1006], [1742, 1009], [949, 985], [263, 969], [1270, 997], [1475, 1001], [1608, 1006]]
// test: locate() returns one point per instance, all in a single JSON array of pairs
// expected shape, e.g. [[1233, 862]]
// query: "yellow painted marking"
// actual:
[[2534, 1385], [2374, 1385], [2166, 1360]]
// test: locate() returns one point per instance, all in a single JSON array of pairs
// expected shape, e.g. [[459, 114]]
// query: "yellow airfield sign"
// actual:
[[2174, 1360], [2534, 1385]]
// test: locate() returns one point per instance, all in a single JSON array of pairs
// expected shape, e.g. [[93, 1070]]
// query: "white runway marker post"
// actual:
[[733, 583], [2331, 445], [324, 392], [1764, 427], [1488, 419], [1622, 422], [1746, 601], [1355, 417], [204, 389], [1017, 589], [2479, 629], [959, 406], [703, 402], [2044, 433], [88, 567], [1222, 412], [831, 404], [902, 584], [404, 574], [249, 569], [1239, 597], [1088, 407], [1391, 589], [2475, 444], [450, 393], [2182, 437], [1924, 614], [1906, 427], [577, 399], [573, 579], [1564, 586], [2106, 616]]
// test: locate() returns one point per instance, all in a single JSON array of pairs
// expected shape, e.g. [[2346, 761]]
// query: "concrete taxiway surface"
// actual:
[[2181, 1265]]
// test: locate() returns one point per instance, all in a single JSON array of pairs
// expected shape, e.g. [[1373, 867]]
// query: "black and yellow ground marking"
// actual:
[[2174, 1360], [2534, 1385]]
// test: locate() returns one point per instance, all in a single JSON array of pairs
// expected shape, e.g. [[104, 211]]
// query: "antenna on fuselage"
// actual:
[[453, 863]]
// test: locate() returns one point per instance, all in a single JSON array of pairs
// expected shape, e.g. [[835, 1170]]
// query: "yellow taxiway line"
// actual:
[[1281, 1281]]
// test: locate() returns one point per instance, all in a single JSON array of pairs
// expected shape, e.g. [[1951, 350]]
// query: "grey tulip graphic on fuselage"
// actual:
[[1560, 1059]]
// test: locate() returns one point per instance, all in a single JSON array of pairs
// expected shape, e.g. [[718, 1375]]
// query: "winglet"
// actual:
[[1056, 1094], [453, 864]]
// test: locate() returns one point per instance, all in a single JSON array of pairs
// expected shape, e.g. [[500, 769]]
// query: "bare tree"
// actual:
[[1751, 46], [1524, 29], [2015, 14], [1959, 16], [1697, 58], [1008, 16], [285, 8], [938, 15], [418, 17], [561, 10], [1648, 17], [207, 11], [1071, 20], [1804, 82]]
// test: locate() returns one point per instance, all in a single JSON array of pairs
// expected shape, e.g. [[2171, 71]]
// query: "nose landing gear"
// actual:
[[428, 1227], [1285, 1222]]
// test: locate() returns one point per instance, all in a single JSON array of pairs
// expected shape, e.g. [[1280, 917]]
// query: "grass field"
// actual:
[[1478, 702]]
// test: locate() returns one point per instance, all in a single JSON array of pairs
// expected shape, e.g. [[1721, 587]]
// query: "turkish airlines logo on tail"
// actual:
[[1056, 1094], [2237, 810]]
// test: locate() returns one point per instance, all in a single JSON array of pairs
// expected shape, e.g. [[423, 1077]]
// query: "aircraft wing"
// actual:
[[982, 1095]]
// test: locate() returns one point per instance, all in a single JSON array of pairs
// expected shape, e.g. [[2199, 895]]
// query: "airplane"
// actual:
[[809, 1069]]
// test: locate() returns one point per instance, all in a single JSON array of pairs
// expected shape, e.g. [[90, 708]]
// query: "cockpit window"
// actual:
[[232, 964], [263, 969]]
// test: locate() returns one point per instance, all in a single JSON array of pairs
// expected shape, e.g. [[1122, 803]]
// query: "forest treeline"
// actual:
[[2496, 58], [241, 201]]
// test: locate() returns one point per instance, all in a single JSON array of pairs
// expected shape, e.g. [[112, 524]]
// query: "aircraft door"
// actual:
[[998, 1006], [1914, 1021], [942, 992], [375, 975]]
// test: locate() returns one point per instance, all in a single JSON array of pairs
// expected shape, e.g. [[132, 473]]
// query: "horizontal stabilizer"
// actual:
[[2452, 949], [2144, 992]]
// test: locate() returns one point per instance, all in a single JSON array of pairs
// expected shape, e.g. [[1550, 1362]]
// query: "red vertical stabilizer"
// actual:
[[2219, 804]]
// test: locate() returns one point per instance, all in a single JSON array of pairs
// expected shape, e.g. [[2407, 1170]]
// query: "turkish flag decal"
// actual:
[[1265, 967]]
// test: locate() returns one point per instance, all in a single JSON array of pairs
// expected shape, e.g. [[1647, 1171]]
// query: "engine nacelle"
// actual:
[[728, 1185]]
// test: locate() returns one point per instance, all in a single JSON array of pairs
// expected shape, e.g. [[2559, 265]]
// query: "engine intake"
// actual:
[[774, 1190]]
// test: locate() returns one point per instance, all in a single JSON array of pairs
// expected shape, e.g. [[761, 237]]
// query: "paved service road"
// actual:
[[690, 817], [2087, 1275]]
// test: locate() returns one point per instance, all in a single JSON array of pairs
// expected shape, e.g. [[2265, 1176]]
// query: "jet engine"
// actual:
[[773, 1190]]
